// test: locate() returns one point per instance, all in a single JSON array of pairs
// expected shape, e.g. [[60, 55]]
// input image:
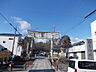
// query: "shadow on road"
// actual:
[[43, 70]]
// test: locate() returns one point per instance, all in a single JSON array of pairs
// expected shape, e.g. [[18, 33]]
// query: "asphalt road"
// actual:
[[42, 64]]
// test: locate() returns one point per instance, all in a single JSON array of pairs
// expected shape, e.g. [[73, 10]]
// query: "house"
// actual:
[[6, 41], [82, 50], [85, 49]]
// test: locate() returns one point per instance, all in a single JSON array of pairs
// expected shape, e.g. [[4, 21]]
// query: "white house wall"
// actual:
[[94, 55], [77, 48], [9, 43], [93, 32]]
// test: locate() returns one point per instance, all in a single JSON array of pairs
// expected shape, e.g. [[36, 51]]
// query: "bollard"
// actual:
[[25, 66], [11, 67], [30, 64], [56, 67]]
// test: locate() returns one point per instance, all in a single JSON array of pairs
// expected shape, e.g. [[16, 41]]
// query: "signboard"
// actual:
[[89, 49], [19, 50]]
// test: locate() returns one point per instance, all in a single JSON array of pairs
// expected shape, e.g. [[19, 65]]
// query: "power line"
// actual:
[[9, 22], [14, 36], [90, 14], [73, 27]]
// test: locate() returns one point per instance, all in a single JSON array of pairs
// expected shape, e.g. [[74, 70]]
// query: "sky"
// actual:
[[41, 15]]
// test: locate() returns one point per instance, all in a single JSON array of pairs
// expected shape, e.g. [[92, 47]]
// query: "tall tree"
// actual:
[[65, 42], [40, 46]]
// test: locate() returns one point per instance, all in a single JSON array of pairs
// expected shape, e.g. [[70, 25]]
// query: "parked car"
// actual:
[[76, 65]]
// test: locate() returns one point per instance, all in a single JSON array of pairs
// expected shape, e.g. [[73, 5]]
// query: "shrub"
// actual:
[[63, 59]]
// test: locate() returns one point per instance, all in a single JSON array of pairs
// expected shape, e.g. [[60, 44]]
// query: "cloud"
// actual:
[[74, 40], [16, 18], [23, 25]]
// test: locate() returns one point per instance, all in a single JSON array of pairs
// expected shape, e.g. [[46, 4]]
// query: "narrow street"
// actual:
[[42, 65]]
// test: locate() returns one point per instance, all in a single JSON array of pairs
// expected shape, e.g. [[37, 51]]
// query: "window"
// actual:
[[87, 65], [4, 42], [82, 55], [75, 55], [10, 38], [72, 64]]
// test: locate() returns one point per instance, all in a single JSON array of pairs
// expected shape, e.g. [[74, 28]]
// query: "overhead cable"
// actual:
[[9, 22]]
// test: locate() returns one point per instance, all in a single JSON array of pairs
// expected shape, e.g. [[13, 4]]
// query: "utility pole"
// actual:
[[13, 48], [53, 28], [14, 40]]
